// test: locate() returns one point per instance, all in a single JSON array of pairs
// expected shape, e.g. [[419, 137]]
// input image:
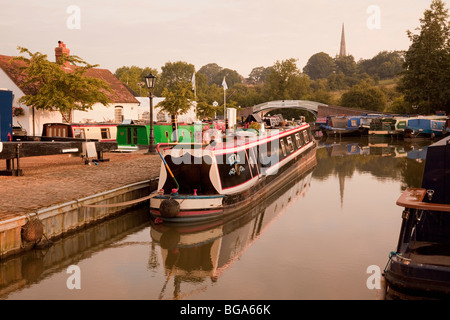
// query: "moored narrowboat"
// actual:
[[383, 127], [420, 266], [425, 127], [136, 136], [200, 182], [89, 131], [338, 126]]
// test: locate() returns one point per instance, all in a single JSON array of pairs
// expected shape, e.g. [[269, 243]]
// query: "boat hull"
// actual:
[[229, 205], [407, 279], [420, 266]]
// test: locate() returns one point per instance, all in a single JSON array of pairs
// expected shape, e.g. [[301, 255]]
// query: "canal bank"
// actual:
[[58, 195]]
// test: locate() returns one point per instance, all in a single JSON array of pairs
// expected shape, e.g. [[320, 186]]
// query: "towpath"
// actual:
[[52, 180]]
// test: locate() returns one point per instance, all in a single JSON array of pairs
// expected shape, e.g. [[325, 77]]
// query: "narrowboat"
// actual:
[[420, 266], [425, 127], [367, 119], [385, 127], [89, 131], [137, 135], [343, 126], [205, 181]]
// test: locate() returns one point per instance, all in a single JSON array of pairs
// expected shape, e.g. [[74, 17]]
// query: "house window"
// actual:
[[161, 116], [118, 114]]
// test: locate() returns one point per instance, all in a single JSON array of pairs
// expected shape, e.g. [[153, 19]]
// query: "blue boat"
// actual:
[[343, 126], [425, 127]]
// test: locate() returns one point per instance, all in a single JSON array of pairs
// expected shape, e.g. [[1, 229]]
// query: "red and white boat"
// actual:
[[205, 181]]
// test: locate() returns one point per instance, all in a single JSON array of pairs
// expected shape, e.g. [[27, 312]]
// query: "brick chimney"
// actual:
[[60, 50]]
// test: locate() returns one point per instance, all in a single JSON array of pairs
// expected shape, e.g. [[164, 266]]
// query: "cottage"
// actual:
[[123, 106]]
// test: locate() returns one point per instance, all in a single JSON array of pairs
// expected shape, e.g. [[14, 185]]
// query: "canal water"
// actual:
[[322, 236]]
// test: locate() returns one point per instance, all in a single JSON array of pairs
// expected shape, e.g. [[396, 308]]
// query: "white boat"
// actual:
[[199, 182]]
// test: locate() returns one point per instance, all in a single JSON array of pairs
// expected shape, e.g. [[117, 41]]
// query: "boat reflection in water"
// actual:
[[415, 150], [193, 253]]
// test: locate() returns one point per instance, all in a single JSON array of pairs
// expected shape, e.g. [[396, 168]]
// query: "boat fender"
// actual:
[[169, 208], [32, 231]]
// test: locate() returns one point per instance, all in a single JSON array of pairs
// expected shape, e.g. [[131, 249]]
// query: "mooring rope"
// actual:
[[121, 204], [391, 255]]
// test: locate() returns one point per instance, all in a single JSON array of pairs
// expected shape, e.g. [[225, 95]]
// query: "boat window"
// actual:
[[290, 145], [135, 136], [269, 154], [105, 133], [305, 136], [233, 169], [298, 140], [283, 147], [253, 161], [354, 122]]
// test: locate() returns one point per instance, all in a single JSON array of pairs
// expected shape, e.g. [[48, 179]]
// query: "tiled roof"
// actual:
[[119, 93]]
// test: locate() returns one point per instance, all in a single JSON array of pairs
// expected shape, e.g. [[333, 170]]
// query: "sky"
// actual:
[[235, 34]]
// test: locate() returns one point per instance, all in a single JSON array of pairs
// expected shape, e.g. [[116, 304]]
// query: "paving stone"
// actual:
[[51, 180]]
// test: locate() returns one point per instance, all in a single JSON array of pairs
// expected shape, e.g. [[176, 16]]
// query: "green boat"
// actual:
[[136, 136], [387, 126]]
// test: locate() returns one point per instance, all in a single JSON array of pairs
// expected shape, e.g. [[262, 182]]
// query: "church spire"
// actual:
[[343, 51]]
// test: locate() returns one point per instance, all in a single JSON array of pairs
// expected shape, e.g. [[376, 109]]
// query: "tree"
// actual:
[[210, 71], [133, 77], [364, 96], [346, 65], [178, 100], [231, 76], [55, 87], [319, 65], [286, 82], [258, 75], [206, 110], [385, 65], [172, 75], [426, 76]]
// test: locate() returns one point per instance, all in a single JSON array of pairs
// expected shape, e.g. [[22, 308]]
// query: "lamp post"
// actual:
[[150, 80]]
